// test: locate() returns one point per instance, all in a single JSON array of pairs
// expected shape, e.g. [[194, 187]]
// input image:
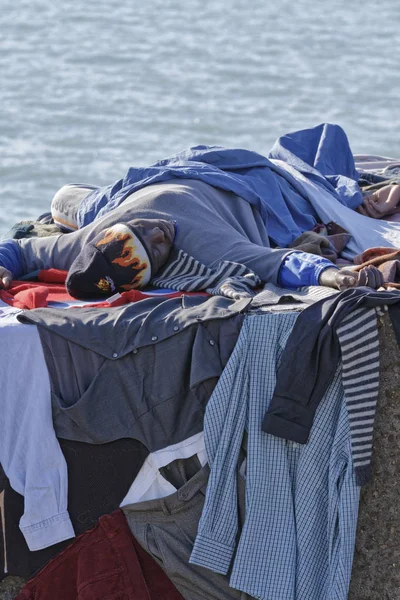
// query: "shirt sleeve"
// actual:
[[299, 269], [224, 427], [10, 257], [344, 495], [29, 450]]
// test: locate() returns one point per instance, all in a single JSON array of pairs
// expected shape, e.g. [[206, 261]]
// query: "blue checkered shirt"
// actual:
[[298, 538]]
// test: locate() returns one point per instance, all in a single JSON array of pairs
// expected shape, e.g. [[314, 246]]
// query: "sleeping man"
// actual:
[[207, 222]]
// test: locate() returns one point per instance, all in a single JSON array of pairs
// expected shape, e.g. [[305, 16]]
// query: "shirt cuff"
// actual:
[[284, 428], [46, 533], [211, 554], [300, 269], [10, 257]]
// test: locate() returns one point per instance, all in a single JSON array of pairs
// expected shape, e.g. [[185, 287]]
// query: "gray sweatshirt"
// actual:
[[213, 225]]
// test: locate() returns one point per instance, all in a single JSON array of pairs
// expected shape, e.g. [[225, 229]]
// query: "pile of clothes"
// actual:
[[189, 444]]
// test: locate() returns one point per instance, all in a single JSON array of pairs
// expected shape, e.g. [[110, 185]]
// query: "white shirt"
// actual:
[[149, 484]]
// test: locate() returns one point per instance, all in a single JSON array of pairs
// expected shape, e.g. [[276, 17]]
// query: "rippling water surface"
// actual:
[[90, 88]]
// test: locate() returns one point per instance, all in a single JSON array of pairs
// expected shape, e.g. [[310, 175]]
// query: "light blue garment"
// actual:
[[30, 453], [365, 232], [285, 210], [301, 501], [323, 155]]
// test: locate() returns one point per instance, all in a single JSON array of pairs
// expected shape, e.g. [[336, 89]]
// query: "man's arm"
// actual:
[[300, 269], [19, 257]]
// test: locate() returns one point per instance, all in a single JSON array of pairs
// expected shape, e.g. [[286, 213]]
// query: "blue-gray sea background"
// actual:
[[89, 88]]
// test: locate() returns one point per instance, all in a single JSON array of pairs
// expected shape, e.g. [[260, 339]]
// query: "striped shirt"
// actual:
[[298, 538]]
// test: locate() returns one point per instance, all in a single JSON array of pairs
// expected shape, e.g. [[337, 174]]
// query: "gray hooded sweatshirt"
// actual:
[[212, 225]]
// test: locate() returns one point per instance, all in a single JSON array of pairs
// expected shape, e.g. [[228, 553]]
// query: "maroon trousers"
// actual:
[[103, 563]]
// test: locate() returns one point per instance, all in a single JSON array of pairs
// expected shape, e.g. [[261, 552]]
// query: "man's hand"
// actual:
[[382, 203], [5, 278], [342, 279]]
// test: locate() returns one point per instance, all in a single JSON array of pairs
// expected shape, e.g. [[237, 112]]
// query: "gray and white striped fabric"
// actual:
[[184, 273], [359, 343]]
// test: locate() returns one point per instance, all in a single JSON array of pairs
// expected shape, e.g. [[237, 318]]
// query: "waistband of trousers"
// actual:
[[176, 501]]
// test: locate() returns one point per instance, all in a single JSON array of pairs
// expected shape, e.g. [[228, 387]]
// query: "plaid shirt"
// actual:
[[298, 538]]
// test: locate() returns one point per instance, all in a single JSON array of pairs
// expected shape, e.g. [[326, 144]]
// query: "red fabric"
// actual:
[[375, 256], [52, 275], [387, 260], [105, 562], [50, 287], [33, 294]]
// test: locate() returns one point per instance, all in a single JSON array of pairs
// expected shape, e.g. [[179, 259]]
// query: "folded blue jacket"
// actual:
[[322, 154]]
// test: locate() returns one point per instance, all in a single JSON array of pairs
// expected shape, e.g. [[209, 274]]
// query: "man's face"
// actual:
[[158, 236]]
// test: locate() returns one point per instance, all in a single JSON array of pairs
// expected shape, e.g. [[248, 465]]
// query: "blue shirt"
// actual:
[[298, 538], [11, 258]]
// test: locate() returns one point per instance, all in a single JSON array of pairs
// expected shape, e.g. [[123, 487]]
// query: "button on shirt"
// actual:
[[301, 501], [114, 332]]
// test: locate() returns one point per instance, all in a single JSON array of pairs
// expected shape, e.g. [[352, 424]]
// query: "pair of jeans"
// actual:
[[167, 528]]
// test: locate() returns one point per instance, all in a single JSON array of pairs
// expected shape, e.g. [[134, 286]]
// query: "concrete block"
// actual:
[[376, 566]]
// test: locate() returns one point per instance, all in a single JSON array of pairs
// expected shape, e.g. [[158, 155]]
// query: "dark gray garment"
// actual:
[[394, 312], [115, 331], [30, 229], [156, 388], [213, 225], [310, 360], [179, 471], [167, 528]]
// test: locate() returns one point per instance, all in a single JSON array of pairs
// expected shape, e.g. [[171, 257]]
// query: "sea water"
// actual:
[[89, 88]]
